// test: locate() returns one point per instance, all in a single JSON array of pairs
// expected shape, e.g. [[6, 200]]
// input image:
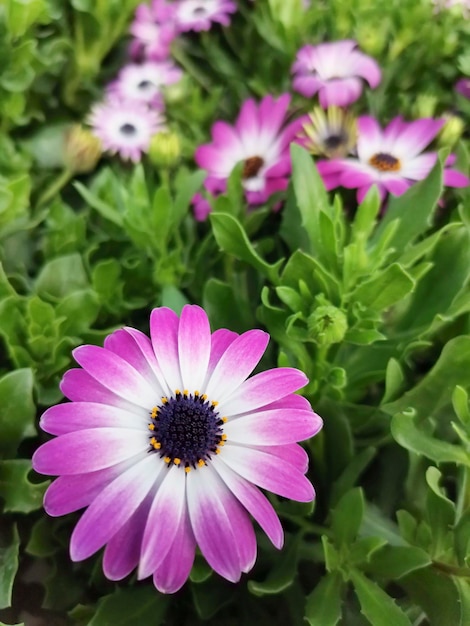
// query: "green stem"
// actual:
[[54, 188], [308, 527], [453, 570]]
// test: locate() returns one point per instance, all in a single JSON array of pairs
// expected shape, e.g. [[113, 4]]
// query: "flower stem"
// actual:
[[54, 187]]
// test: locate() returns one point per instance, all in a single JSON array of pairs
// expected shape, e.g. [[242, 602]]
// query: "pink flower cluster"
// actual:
[[133, 107], [359, 154]]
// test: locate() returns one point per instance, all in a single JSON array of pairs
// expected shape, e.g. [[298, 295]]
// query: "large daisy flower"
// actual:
[[391, 158], [144, 81], [334, 70], [125, 127], [260, 138], [200, 14], [166, 441]]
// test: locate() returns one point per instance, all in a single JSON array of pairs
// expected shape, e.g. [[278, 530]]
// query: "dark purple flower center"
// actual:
[[200, 12], [186, 430], [145, 84], [334, 141], [385, 162], [252, 166], [128, 129]]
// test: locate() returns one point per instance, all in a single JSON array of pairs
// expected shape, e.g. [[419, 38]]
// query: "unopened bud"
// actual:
[[82, 150], [165, 149], [424, 105], [327, 325], [451, 131]]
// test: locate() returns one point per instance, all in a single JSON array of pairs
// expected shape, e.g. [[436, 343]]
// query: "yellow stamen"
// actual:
[[176, 461], [200, 463], [196, 393], [151, 426], [204, 397], [224, 419], [157, 446], [217, 450], [154, 412], [214, 403], [167, 459], [164, 400], [153, 441], [177, 392], [185, 392], [187, 470], [224, 437]]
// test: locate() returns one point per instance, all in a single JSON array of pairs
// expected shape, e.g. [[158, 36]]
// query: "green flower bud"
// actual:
[[327, 325], [425, 105], [82, 150], [451, 131], [165, 149]]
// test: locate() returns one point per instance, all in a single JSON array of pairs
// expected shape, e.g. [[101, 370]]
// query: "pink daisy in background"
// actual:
[[199, 15], [260, 138], [125, 127], [462, 86], [166, 441], [391, 158], [154, 29], [334, 70], [144, 81]]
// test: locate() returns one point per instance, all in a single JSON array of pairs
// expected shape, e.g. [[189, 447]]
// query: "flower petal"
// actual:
[[273, 427], [164, 335], [163, 520], [78, 386], [174, 570], [88, 450], [110, 510], [194, 346], [236, 363], [71, 416], [214, 513], [267, 472], [262, 389], [253, 500], [116, 374]]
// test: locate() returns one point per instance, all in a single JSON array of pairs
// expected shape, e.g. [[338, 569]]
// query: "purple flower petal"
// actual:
[[89, 450], [78, 386], [274, 427], [164, 334], [66, 418], [194, 346]]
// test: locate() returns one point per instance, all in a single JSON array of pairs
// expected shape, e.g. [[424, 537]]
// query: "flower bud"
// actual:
[[165, 149], [424, 105], [451, 131], [327, 325], [82, 150]]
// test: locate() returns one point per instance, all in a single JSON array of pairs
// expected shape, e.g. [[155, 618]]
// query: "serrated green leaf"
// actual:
[[62, 276], [393, 562], [232, 238], [282, 574], [346, 517], [408, 434], [138, 605], [9, 559], [324, 603], [19, 494], [17, 410], [376, 605]]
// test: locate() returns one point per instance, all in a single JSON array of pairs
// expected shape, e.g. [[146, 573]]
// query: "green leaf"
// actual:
[[282, 574], [441, 514], [9, 558], [351, 473], [394, 379], [384, 289], [413, 210], [436, 388], [232, 238], [324, 603], [365, 218], [17, 491], [135, 605], [437, 594], [460, 404], [376, 605], [62, 276], [393, 562], [17, 410], [106, 210], [408, 434], [347, 517], [210, 597], [311, 195]]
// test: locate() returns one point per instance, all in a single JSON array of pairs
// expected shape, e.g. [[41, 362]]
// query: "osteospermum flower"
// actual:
[[201, 14], [331, 133], [260, 138], [154, 29], [391, 158], [125, 127], [334, 70], [144, 81], [166, 441]]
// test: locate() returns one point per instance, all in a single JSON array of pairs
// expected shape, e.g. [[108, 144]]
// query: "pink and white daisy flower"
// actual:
[[125, 127], [165, 443], [154, 29], [199, 15], [391, 158], [334, 70], [144, 81], [260, 138]]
